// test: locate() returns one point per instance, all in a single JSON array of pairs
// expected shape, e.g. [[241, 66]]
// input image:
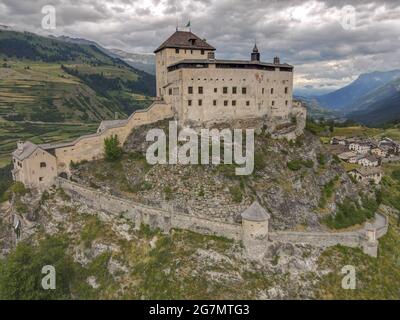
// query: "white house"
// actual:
[[369, 161]]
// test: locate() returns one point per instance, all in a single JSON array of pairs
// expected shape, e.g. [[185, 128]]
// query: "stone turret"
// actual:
[[277, 60], [255, 230], [255, 55], [370, 245]]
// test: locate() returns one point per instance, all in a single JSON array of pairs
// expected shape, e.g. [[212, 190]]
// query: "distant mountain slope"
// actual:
[[145, 62], [46, 79], [343, 99], [380, 106], [314, 110]]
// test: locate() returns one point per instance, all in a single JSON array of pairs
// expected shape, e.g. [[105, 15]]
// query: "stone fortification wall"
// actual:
[[164, 219]]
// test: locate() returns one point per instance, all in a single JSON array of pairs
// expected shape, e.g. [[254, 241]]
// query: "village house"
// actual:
[[369, 161], [346, 156], [390, 146], [379, 152], [340, 140], [355, 158], [360, 147], [367, 174]]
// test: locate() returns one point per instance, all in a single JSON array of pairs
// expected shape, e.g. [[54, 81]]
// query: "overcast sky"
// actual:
[[330, 42]]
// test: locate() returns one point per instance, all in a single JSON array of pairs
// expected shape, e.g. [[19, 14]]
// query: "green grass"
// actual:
[[376, 278], [11, 132]]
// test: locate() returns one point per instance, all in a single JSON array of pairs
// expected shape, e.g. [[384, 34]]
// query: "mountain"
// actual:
[[314, 110], [52, 80], [380, 106], [343, 99], [145, 62]]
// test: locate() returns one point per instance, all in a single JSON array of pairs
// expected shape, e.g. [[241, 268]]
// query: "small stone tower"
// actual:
[[370, 245], [255, 55], [255, 230]]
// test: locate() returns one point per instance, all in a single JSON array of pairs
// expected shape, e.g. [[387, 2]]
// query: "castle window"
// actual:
[[272, 90], [191, 51], [244, 90], [247, 103], [215, 90], [286, 102], [176, 50], [225, 90], [40, 178], [202, 51], [273, 102], [189, 102], [225, 103], [43, 164], [200, 90], [214, 102], [234, 89], [190, 90], [286, 89], [262, 90], [200, 102], [233, 102], [170, 91]]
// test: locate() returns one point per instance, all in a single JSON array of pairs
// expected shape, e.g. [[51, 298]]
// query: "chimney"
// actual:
[[20, 145], [211, 55], [277, 60]]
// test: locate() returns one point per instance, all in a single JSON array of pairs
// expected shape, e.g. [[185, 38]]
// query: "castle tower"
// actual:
[[255, 55], [182, 45], [255, 230]]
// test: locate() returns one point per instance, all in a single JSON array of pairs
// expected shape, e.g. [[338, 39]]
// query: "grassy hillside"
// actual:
[[44, 79], [11, 131], [376, 278]]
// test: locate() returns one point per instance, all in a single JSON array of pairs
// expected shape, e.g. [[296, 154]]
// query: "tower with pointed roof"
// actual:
[[255, 55]]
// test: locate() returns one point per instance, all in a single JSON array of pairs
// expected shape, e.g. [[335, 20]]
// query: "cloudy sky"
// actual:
[[330, 42]]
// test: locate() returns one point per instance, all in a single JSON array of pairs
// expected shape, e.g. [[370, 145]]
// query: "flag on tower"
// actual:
[[188, 24]]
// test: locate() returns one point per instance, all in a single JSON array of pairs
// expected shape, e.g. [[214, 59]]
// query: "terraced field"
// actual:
[[11, 132], [45, 92]]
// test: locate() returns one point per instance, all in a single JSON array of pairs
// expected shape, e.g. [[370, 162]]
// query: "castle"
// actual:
[[194, 88]]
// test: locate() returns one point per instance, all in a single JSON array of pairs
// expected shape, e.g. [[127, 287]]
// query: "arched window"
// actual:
[[43, 164]]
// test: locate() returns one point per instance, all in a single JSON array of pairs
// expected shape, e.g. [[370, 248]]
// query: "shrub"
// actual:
[[294, 165], [20, 272], [396, 174], [327, 192], [168, 193], [350, 213], [259, 161], [308, 163], [236, 194], [112, 148], [321, 159], [19, 189]]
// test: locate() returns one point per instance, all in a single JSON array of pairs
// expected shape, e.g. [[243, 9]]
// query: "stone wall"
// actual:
[[164, 219], [154, 217], [90, 147], [320, 239]]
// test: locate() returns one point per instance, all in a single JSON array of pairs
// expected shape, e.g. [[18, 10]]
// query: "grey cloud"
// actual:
[[311, 38]]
